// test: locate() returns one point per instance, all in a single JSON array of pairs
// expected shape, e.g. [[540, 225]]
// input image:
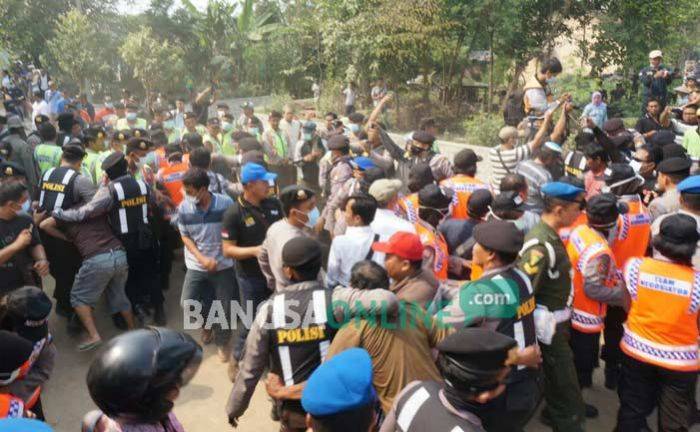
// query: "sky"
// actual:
[[138, 6]]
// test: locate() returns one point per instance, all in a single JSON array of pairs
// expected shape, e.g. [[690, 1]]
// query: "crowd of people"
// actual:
[[391, 288]]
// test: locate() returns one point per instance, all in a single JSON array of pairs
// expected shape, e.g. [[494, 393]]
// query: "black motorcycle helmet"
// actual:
[[131, 377]]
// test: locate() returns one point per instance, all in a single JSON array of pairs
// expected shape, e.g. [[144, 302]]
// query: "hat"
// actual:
[[248, 105], [139, 133], [466, 158], [249, 143], [294, 194], [138, 144], [478, 349], [403, 244], [507, 132], [214, 121], [254, 172], [680, 229], [655, 54], [435, 196], [193, 140], [673, 150], [479, 202], [384, 190], [551, 145], [338, 142], [23, 425], [561, 190], [10, 169], [423, 137], [15, 357], [362, 163], [73, 152], [13, 424], [691, 185], [674, 165], [189, 115], [507, 201], [123, 135], [300, 250], [613, 125], [604, 209], [14, 122], [500, 236], [342, 383], [29, 308], [309, 126], [663, 137], [94, 132], [113, 160], [617, 172]]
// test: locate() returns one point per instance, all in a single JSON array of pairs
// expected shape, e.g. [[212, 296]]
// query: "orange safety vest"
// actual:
[[408, 207], [585, 244], [633, 233], [10, 406], [171, 177], [661, 327], [463, 186], [432, 238], [565, 233]]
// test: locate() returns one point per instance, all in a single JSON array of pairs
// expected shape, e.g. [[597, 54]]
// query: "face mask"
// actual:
[[415, 151], [355, 128], [313, 216], [307, 137], [226, 126], [131, 116], [25, 207], [192, 200], [254, 131], [609, 188]]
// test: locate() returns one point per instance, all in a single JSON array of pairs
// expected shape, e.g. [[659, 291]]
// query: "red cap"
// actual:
[[403, 244]]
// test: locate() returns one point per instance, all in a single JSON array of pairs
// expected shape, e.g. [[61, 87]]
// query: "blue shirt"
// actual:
[[599, 113], [204, 228]]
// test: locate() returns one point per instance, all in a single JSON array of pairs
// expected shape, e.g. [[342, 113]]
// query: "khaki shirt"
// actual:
[[270, 258]]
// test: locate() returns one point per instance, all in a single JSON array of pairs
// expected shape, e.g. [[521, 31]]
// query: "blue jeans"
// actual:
[[254, 290], [205, 287]]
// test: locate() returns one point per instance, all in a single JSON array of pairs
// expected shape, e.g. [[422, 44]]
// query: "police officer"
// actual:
[[126, 201], [294, 348], [333, 177], [660, 344], [420, 151], [474, 363], [596, 281], [671, 171], [93, 141], [63, 188], [134, 381], [47, 154], [340, 393], [495, 251], [545, 261]]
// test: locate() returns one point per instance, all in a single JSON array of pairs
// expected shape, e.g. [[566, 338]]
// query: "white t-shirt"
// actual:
[[40, 107], [349, 96]]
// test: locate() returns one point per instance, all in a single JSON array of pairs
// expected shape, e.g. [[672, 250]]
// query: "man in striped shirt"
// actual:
[[506, 156], [536, 174]]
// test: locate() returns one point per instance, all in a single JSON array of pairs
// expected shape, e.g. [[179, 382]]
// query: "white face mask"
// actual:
[[192, 200]]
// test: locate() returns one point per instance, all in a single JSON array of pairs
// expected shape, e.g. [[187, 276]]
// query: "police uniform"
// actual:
[[57, 191], [511, 410], [440, 165], [338, 175], [294, 349], [47, 155], [480, 355], [660, 343], [669, 202], [545, 261], [125, 200]]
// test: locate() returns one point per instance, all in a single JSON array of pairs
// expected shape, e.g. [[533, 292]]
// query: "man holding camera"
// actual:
[[655, 79]]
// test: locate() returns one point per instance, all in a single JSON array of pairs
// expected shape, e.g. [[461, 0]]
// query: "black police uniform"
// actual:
[[129, 220], [56, 191]]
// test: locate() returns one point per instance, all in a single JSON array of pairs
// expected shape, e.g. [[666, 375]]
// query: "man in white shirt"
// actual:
[[39, 107], [350, 94], [291, 128], [356, 244], [386, 223]]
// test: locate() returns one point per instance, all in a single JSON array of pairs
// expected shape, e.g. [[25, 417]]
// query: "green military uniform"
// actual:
[[47, 155], [545, 261], [89, 163]]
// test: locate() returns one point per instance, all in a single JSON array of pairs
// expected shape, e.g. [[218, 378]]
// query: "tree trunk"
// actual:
[[519, 68], [490, 98]]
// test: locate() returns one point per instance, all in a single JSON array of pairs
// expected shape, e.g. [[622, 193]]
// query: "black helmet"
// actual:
[[133, 374]]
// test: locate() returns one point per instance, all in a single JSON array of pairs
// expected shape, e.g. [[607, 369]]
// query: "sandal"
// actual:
[[88, 346]]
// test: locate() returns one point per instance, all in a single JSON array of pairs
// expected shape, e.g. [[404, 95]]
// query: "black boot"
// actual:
[[612, 376]]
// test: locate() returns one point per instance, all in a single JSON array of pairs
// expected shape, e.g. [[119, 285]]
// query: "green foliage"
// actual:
[[277, 102], [156, 64], [482, 129]]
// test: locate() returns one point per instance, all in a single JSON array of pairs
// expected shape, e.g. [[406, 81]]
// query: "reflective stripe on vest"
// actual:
[[59, 189], [434, 239], [633, 233], [463, 186], [123, 223], [409, 205], [661, 327], [10, 406], [584, 245], [411, 408]]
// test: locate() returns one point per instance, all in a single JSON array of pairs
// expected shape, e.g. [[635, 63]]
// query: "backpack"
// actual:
[[514, 111]]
